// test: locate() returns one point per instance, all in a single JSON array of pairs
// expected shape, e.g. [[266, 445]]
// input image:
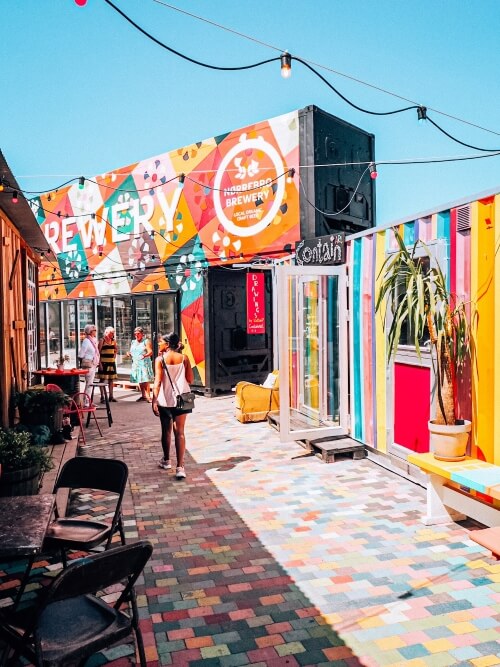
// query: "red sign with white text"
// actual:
[[256, 309]]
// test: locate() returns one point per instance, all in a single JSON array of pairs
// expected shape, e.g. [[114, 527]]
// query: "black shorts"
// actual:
[[171, 413]]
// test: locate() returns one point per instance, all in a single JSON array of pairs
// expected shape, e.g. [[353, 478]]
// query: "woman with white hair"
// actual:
[[108, 349], [89, 355]]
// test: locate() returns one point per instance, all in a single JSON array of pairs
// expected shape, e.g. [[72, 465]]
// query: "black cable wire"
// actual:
[[355, 106], [462, 143], [303, 62], [181, 55]]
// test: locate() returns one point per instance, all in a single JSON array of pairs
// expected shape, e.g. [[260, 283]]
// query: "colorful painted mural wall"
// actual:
[[471, 233], [160, 223]]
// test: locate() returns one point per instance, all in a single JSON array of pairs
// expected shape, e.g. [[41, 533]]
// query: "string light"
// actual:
[[14, 196], [422, 114], [286, 65], [373, 171], [81, 182], [182, 178], [291, 174], [285, 60], [3, 183]]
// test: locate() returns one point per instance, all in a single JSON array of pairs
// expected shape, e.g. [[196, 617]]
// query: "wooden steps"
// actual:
[[331, 448]]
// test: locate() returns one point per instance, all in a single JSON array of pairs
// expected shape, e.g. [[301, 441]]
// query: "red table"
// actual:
[[67, 379]]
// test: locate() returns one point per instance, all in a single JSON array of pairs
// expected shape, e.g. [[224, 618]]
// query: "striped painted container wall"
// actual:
[[469, 236]]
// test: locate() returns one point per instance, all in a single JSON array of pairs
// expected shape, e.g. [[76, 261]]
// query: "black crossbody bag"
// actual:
[[184, 401]]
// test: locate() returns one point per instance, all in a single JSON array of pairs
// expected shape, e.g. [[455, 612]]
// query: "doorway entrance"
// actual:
[[313, 355], [157, 314]]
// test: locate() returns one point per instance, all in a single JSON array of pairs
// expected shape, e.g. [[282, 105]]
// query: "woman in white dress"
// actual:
[[89, 355], [173, 374]]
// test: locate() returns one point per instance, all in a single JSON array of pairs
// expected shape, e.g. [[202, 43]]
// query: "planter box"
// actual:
[[24, 482]]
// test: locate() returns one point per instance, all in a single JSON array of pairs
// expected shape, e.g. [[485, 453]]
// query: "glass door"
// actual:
[[312, 325], [156, 314]]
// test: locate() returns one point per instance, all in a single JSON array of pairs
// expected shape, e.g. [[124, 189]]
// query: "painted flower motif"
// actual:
[[138, 254], [125, 202], [73, 264], [154, 176], [187, 274]]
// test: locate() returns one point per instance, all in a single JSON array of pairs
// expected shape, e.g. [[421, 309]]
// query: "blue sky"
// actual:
[[85, 93]]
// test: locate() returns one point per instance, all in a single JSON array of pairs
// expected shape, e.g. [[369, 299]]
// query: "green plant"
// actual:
[[17, 451], [36, 405], [414, 294]]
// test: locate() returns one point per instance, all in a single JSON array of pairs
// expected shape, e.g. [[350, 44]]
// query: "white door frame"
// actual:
[[283, 274]]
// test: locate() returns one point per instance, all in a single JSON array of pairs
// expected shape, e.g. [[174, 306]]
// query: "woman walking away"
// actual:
[[142, 367], [173, 374], [108, 350], [89, 355]]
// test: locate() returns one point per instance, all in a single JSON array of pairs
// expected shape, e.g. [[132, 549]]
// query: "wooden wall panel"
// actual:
[[12, 317]]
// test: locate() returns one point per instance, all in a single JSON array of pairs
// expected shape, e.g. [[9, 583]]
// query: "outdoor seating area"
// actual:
[[324, 564]]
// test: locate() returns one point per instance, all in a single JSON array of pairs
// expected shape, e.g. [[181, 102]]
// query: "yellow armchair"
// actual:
[[254, 401]]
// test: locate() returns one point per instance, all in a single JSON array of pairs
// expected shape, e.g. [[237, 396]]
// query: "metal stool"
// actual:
[[104, 387]]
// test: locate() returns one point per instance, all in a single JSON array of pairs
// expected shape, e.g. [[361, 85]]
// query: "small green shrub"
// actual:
[[18, 451]]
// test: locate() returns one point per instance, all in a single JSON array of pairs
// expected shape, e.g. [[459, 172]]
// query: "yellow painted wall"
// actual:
[[483, 279]]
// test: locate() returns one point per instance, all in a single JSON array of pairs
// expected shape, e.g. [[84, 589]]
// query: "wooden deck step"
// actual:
[[331, 448]]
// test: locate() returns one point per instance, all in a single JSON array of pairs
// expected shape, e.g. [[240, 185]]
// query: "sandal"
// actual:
[[141, 398]]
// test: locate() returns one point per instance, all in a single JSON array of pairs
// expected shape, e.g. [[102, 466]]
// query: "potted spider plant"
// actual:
[[414, 295]]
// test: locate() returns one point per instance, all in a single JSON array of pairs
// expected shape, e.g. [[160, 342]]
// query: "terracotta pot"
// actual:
[[449, 442]]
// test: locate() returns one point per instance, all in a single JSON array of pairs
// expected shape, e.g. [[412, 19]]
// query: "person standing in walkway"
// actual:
[[173, 374], [89, 355], [141, 372], [108, 350]]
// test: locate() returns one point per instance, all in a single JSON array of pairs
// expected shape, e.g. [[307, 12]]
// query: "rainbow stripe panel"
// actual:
[[469, 239]]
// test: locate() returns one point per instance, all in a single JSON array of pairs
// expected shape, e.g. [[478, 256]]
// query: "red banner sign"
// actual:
[[256, 309]]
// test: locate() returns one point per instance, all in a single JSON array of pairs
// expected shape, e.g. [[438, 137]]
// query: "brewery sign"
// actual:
[[321, 251]]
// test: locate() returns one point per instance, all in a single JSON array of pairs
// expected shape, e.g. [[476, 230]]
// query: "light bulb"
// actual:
[[14, 197], [373, 171], [421, 115], [286, 65], [81, 182], [291, 174]]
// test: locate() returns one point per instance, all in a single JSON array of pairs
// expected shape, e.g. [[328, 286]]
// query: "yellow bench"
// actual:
[[446, 503]]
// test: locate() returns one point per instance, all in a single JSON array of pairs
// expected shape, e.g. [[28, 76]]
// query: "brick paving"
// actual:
[[267, 556]]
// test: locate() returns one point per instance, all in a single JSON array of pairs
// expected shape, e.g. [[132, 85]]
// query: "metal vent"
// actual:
[[463, 219]]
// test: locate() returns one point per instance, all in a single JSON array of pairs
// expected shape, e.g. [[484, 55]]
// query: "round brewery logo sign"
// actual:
[[249, 187]]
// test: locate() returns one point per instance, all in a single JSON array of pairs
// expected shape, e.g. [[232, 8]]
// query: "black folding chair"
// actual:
[[73, 533], [71, 623]]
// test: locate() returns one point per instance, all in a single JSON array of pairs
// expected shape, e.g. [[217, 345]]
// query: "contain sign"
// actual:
[[321, 251], [256, 312]]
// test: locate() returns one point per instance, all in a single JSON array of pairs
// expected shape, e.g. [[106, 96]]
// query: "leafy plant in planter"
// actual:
[[22, 463], [37, 406], [415, 295]]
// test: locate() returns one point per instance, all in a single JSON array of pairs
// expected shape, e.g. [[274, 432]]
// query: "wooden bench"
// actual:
[[446, 503], [488, 538]]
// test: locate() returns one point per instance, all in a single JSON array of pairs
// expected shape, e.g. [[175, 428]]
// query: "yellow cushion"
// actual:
[[254, 402]]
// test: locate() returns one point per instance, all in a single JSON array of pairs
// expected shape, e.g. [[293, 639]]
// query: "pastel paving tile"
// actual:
[[268, 557]]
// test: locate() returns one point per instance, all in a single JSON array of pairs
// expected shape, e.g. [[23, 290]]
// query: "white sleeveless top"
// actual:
[[167, 397]]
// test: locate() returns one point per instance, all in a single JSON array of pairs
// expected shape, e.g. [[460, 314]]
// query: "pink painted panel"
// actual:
[[411, 406], [368, 364]]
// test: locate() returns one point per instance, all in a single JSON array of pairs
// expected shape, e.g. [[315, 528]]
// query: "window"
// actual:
[[406, 329]]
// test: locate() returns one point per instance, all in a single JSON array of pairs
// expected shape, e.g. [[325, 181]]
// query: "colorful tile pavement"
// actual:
[[267, 556]]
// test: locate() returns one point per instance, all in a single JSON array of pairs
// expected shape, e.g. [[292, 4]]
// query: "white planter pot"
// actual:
[[449, 442]]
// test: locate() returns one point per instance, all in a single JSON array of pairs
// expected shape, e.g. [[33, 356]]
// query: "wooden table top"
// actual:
[[66, 371], [23, 523]]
